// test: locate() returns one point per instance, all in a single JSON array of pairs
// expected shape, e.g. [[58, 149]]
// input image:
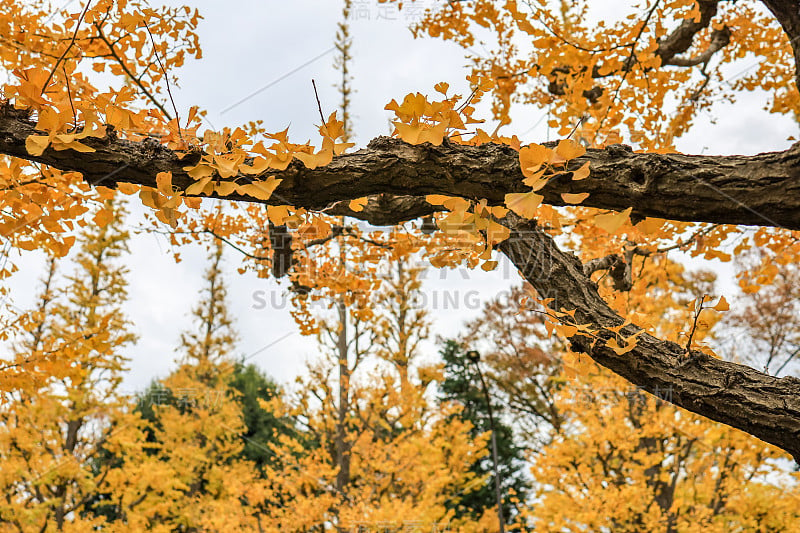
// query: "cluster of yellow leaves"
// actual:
[[40, 214], [52, 121], [420, 121], [682, 311], [229, 166], [398, 477], [582, 60], [616, 457], [472, 227], [115, 36], [538, 164], [42, 53], [346, 269], [232, 164], [634, 462], [60, 385], [407, 456]]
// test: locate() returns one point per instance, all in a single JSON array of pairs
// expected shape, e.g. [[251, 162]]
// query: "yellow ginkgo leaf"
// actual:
[[568, 149], [49, 120], [260, 164], [532, 157], [408, 132], [72, 145], [566, 330], [581, 173], [650, 225], [103, 217], [106, 193], [524, 204], [319, 159], [127, 188], [611, 222], [37, 144], [456, 204], [193, 202], [260, 189], [498, 211], [150, 197], [358, 204], [198, 186], [722, 305], [164, 183], [433, 135], [620, 350], [536, 180], [340, 148], [574, 198], [227, 166], [224, 188], [437, 199], [278, 213], [199, 171]]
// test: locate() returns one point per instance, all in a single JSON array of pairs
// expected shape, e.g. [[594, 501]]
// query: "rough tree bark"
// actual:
[[761, 189], [764, 406], [787, 12]]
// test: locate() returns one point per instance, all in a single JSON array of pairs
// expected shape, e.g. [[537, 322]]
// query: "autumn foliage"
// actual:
[[366, 434]]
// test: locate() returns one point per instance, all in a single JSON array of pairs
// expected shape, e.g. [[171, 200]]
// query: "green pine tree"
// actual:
[[252, 385], [462, 385]]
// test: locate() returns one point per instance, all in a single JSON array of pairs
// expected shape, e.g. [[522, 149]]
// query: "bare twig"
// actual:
[[69, 47], [69, 94], [130, 74], [319, 105], [166, 79], [694, 324]]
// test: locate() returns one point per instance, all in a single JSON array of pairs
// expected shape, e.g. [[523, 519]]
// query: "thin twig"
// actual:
[[694, 325], [69, 94], [628, 65], [319, 105], [130, 74], [578, 125], [791, 356], [468, 100], [166, 79], [69, 47]]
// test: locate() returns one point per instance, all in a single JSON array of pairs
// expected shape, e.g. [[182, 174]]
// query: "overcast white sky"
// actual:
[[258, 65]]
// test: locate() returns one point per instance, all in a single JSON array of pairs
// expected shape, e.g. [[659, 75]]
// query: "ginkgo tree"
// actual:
[[55, 427], [66, 140], [607, 456], [373, 451]]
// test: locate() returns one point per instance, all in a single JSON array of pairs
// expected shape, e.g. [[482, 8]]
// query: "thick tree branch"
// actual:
[[788, 14], [719, 40], [759, 190], [618, 268], [681, 39], [669, 49], [764, 406]]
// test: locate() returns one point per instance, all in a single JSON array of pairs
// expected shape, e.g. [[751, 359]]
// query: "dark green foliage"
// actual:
[[462, 385], [263, 426], [248, 385]]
